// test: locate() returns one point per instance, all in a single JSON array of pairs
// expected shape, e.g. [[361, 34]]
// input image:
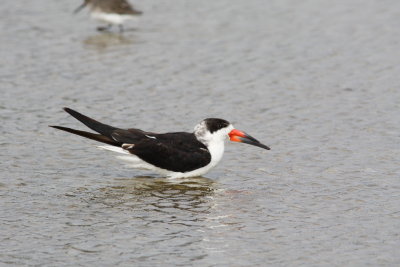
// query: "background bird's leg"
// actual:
[[121, 28], [104, 28]]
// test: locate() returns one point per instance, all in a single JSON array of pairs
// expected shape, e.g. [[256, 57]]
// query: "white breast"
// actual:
[[111, 18]]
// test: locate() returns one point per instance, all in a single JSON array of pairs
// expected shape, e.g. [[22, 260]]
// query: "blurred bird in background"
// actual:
[[111, 12]]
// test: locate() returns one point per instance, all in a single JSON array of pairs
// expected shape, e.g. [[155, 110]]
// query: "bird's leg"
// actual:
[[121, 28], [104, 28]]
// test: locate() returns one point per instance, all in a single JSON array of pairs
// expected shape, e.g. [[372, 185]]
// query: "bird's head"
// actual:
[[217, 130]]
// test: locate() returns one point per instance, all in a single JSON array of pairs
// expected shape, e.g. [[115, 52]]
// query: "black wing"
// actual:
[[178, 152], [107, 134]]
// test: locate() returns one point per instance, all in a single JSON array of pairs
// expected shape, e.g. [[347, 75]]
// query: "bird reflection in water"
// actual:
[[106, 40], [160, 194]]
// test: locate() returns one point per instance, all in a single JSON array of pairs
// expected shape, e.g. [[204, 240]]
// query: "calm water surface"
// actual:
[[317, 81]]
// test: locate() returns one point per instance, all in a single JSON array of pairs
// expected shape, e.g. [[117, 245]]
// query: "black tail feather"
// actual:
[[99, 127], [93, 136]]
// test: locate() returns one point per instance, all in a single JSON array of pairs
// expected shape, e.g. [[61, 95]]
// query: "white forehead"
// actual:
[[200, 128]]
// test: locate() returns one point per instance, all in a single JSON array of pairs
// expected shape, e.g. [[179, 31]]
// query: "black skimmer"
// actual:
[[175, 155], [112, 12]]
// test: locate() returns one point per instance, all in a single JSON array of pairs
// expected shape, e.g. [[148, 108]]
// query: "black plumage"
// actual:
[[177, 152], [214, 124]]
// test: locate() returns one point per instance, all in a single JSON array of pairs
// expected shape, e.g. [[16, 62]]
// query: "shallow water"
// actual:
[[317, 82]]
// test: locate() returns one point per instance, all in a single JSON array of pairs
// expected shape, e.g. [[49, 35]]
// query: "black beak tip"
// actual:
[[264, 146], [252, 141]]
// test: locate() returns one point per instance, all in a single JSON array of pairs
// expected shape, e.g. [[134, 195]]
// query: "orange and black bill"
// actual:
[[239, 136]]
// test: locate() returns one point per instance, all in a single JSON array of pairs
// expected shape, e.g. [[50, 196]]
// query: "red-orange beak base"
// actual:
[[239, 136]]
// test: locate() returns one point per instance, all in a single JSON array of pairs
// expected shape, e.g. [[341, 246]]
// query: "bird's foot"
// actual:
[[104, 28]]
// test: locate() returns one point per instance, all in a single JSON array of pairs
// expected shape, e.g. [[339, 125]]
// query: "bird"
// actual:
[[172, 154], [112, 12]]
